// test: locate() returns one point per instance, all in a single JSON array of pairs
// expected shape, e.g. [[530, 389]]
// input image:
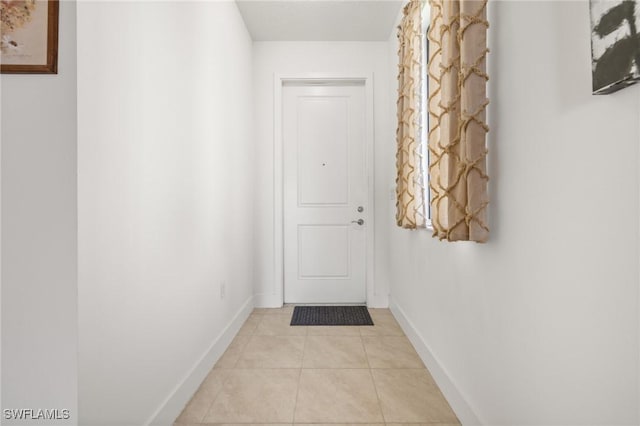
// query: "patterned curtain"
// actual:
[[457, 129], [410, 191]]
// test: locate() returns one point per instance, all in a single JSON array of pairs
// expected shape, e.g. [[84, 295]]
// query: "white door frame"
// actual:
[[278, 162]]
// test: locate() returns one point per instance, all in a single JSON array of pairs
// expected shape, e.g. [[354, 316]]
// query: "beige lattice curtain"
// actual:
[[457, 102], [410, 191]]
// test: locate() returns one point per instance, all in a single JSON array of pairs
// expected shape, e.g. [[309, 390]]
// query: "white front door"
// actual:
[[325, 193]]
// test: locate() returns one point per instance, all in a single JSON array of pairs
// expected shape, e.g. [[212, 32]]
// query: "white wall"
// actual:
[[165, 190], [39, 237], [539, 325], [296, 58]]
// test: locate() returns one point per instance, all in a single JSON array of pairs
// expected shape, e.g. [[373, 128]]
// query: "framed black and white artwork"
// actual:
[[615, 44]]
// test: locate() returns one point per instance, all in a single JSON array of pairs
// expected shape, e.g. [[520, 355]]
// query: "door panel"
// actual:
[[323, 134], [324, 184], [323, 251]]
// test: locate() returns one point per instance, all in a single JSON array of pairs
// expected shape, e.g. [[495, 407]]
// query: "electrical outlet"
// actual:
[[223, 289]]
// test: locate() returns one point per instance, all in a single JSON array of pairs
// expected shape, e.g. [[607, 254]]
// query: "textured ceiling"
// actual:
[[311, 20]]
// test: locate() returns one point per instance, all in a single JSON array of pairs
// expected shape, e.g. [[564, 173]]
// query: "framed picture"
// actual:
[[29, 30], [615, 44]]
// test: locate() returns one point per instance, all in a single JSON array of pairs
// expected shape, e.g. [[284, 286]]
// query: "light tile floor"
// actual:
[[277, 374]]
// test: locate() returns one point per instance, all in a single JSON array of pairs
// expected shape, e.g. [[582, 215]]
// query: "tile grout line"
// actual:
[[227, 373], [224, 381], [295, 404], [375, 389], [249, 339], [366, 354]]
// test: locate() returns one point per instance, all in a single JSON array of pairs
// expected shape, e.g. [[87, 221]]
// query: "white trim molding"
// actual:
[[451, 392], [175, 402], [276, 298]]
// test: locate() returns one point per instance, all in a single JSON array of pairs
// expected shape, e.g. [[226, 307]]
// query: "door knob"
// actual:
[[359, 221], [360, 209]]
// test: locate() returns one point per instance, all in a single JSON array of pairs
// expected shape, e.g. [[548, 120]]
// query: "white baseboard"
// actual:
[[378, 301], [456, 400], [263, 300], [173, 405]]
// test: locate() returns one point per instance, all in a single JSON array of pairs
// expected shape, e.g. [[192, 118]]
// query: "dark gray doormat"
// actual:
[[331, 315]]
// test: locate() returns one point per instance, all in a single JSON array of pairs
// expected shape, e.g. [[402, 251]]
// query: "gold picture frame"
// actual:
[[29, 37]]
